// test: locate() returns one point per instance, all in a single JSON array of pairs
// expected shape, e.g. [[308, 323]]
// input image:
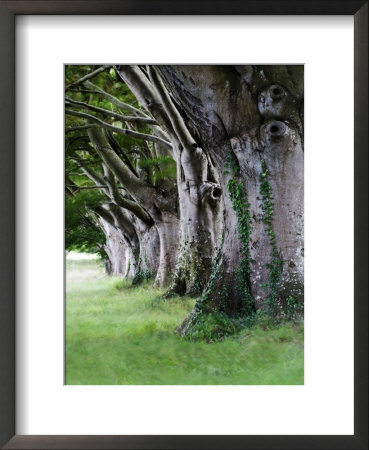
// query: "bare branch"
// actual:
[[119, 151], [106, 112], [175, 118], [124, 202], [127, 132], [88, 76], [105, 214], [68, 188], [93, 176], [111, 191], [83, 91], [124, 224], [80, 127], [90, 187], [127, 179], [145, 93], [114, 100]]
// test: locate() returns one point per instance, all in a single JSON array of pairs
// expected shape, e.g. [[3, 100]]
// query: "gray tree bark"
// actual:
[[198, 190], [120, 258], [253, 117], [158, 203]]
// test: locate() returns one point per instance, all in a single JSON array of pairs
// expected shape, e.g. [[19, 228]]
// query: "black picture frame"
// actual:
[[8, 11]]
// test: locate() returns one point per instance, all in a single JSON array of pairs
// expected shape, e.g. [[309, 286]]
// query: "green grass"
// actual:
[[116, 334]]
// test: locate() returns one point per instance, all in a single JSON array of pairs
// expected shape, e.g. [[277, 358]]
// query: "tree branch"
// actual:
[[92, 176], [127, 179], [124, 224], [175, 118], [117, 198], [110, 189], [127, 132], [91, 187], [106, 112], [143, 90], [80, 127], [114, 100], [104, 214], [120, 152], [88, 76]]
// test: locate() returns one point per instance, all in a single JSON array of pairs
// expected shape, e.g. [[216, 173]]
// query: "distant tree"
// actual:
[[82, 233]]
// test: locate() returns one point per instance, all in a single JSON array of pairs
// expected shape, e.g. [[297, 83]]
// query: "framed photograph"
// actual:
[[177, 271]]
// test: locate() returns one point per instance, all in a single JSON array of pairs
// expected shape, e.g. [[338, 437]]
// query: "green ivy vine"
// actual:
[[209, 289], [275, 265], [140, 275], [241, 206]]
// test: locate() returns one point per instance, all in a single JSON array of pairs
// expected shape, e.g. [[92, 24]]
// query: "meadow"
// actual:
[[119, 334]]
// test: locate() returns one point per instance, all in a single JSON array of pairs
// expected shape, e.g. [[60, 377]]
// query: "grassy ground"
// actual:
[[116, 334]]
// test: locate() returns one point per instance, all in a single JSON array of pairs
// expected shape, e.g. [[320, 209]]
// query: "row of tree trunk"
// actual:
[[228, 227]]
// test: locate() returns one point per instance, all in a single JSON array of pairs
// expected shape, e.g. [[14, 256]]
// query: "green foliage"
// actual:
[[111, 83], [209, 288], [265, 321], [276, 264], [141, 274], [149, 162], [134, 152], [81, 232], [231, 162], [202, 305], [294, 309], [241, 206], [125, 336], [161, 167], [122, 283], [213, 327]]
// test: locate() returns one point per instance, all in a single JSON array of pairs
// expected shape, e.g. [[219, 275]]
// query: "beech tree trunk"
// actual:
[[149, 256], [120, 261], [198, 191], [200, 208], [153, 206], [252, 117]]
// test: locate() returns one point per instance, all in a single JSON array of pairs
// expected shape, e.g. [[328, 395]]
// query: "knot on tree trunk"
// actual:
[[210, 192], [275, 130], [277, 103]]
